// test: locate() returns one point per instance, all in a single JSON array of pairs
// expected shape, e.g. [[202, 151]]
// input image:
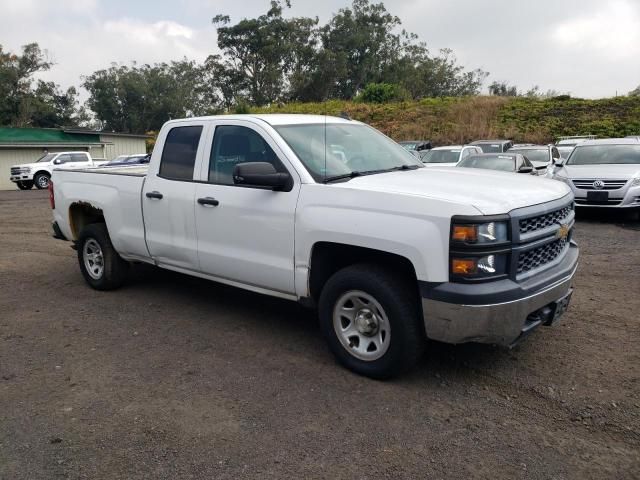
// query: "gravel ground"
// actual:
[[176, 377]]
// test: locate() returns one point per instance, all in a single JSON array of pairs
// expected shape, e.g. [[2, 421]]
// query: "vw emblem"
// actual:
[[598, 184]]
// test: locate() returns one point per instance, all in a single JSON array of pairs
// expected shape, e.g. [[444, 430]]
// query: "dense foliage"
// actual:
[[25, 103]]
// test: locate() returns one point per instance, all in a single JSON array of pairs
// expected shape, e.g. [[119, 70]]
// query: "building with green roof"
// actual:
[[26, 145]]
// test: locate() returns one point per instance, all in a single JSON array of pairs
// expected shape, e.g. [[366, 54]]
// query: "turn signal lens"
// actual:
[[464, 266], [464, 233]]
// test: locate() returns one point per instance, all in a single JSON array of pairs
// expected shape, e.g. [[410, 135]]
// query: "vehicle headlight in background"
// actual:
[[480, 233], [635, 182]]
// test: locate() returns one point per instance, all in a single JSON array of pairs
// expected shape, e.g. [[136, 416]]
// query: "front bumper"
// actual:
[[495, 312], [21, 178], [626, 197]]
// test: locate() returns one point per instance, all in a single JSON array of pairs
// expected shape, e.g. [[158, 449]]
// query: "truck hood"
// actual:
[[612, 171], [33, 165], [489, 191]]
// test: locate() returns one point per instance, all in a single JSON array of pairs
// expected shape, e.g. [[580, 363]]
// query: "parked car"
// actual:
[[504, 162], [493, 146], [565, 145], [541, 156], [603, 173], [137, 159], [389, 251], [416, 145], [447, 156], [27, 175]]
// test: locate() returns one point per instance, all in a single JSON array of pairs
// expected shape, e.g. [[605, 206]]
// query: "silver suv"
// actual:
[[602, 173]]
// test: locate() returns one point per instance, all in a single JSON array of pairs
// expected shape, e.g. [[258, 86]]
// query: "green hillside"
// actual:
[[462, 119]]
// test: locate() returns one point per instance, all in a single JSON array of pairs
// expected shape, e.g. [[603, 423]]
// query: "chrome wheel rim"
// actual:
[[93, 259], [43, 181], [361, 325]]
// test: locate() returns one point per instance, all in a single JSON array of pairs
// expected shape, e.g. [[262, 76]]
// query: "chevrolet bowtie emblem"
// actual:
[[563, 232]]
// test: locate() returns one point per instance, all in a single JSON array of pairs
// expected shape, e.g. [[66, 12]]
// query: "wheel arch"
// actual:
[[328, 257], [82, 214]]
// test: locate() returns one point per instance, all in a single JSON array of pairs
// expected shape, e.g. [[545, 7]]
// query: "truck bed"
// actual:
[[116, 192]]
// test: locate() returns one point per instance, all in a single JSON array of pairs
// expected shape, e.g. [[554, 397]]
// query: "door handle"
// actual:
[[208, 201], [154, 194]]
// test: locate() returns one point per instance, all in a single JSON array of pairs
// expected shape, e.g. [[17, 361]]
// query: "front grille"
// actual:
[[587, 184], [16, 170], [584, 201], [539, 256], [533, 224]]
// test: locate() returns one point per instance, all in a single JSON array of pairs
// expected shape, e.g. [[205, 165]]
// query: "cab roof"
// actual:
[[609, 141], [278, 118]]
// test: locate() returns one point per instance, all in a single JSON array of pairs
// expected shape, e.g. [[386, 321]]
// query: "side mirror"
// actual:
[[260, 174], [525, 169], [57, 161], [558, 162]]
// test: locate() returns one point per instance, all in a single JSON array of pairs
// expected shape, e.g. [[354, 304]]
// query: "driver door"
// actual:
[[245, 234]]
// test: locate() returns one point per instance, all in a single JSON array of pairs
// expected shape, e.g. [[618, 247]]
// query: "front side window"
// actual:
[[63, 159], [605, 154], [179, 153], [350, 148], [540, 155], [233, 145]]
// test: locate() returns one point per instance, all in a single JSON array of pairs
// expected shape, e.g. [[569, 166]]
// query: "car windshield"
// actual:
[[490, 147], [47, 157], [353, 149], [409, 145], [497, 162], [605, 154], [540, 155], [441, 156]]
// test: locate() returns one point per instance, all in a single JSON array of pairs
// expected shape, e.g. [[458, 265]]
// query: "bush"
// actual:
[[382, 93]]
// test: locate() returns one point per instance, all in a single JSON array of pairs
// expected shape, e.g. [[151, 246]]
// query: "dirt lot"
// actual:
[[174, 377]]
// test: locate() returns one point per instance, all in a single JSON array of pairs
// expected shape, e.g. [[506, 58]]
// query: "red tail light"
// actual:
[[52, 198]]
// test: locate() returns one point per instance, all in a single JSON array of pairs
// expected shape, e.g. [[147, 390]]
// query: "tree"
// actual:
[[635, 92], [261, 52], [501, 89], [138, 99]]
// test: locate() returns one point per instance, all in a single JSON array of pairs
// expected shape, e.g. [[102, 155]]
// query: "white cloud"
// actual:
[[611, 31]]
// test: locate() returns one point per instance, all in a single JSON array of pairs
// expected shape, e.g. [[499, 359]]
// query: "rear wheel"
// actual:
[[100, 264], [26, 185], [371, 320], [42, 181]]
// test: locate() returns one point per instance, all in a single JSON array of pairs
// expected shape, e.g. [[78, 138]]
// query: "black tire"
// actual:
[[41, 181], [26, 185], [114, 268], [399, 299]]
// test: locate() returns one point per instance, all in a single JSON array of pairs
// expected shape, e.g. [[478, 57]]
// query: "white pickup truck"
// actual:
[[391, 253], [26, 175]]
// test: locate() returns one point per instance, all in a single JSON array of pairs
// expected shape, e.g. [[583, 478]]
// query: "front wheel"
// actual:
[[370, 318], [100, 264], [26, 185], [42, 181]]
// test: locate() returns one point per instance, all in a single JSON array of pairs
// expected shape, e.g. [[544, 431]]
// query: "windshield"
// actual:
[[441, 156], [498, 162], [409, 145], [490, 147], [540, 155], [605, 154], [47, 157], [352, 148]]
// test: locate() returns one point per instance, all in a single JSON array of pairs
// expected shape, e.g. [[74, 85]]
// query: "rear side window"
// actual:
[[78, 157], [179, 153]]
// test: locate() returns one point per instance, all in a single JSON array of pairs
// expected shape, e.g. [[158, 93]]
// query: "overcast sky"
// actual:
[[589, 48]]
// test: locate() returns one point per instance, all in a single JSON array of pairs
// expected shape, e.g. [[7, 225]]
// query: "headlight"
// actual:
[[478, 267], [480, 233], [635, 182]]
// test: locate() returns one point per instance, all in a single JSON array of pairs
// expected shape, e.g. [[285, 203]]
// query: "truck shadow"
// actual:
[[284, 324]]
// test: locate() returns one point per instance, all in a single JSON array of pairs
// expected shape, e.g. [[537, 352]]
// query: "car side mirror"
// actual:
[[261, 174], [558, 162], [525, 169], [57, 161]]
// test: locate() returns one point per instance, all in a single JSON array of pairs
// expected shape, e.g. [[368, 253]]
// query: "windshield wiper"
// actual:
[[355, 173], [405, 167]]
